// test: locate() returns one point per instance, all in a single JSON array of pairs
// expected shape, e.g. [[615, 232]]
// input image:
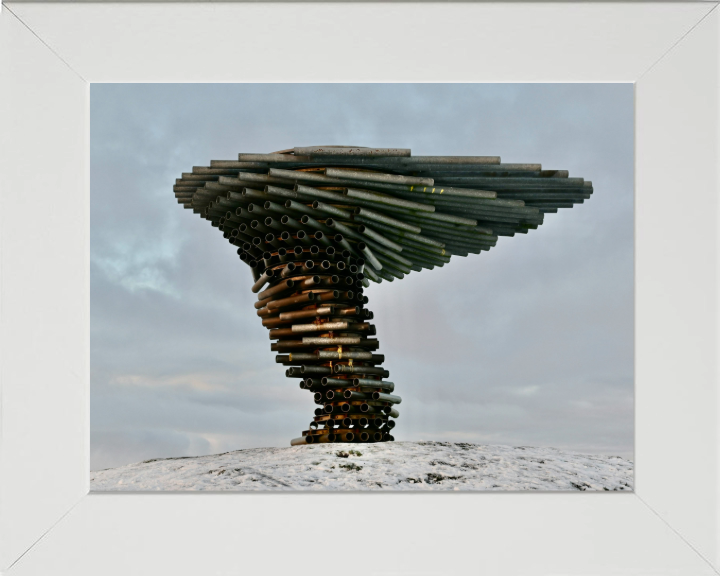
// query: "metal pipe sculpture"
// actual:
[[316, 225]]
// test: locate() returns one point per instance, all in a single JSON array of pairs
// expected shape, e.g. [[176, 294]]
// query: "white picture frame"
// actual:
[[49, 523]]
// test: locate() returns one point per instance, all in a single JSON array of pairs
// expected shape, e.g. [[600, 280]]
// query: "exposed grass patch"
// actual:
[[433, 478]]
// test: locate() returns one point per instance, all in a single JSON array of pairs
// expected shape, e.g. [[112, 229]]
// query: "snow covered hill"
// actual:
[[382, 466]]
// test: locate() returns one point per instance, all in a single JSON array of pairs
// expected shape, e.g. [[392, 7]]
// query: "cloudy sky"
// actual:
[[528, 344]]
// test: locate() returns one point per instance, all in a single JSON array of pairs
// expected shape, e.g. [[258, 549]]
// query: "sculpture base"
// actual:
[[342, 435]]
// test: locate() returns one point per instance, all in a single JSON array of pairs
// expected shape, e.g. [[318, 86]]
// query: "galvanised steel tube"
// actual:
[[303, 238], [323, 370], [543, 206], [379, 386], [386, 397], [310, 221], [424, 190], [485, 240], [441, 201], [356, 369], [365, 176], [317, 312], [380, 249], [385, 275], [530, 196], [373, 275], [332, 396], [351, 395], [343, 228], [516, 183], [536, 170], [394, 268], [329, 341], [276, 208], [299, 208], [420, 255], [451, 232], [380, 200], [261, 304], [278, 193], [283, 302], [454, 191], [424, 216], [270, 222], [257, 210], [504, 203], [332, 210], [297, 358], [394, 256], [288, 270], [322, 327], [370, 382], [379, 238], [364, 214], [260, 227], [325, 181], [337, 382], [482, 215], [311, 194], [248, 179], [354, 355], [517, 212], [321, 180], [350, 151], [400, 236], [322, 239], [266, 159], [340, 240], [372, 260], [264, 279], [408, 162]]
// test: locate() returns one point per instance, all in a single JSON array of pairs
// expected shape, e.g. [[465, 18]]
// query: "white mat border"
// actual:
[[49, 53]]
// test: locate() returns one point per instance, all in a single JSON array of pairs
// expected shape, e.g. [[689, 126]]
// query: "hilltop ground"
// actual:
[[382, 466]]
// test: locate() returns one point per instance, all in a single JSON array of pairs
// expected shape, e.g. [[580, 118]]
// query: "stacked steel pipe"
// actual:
[[316, 225]]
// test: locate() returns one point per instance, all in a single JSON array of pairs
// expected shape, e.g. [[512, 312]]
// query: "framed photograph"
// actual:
[[409, 296], [52, 53]]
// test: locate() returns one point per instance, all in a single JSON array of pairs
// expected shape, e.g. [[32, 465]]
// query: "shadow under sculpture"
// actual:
[[317, 224]]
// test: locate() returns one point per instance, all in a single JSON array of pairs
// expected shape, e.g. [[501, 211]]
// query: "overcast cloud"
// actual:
[[528, 344]]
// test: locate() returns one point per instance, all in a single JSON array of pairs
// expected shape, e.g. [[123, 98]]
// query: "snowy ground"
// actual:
[[382, 466]]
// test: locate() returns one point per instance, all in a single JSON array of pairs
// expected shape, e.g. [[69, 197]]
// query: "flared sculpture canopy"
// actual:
[[317, 224]]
